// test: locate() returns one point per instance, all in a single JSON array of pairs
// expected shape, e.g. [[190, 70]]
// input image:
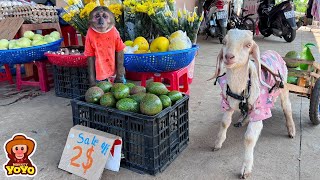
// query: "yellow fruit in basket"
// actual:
[[141, 51], [128, 43], [177, 34], [141, 42], [160, 44]]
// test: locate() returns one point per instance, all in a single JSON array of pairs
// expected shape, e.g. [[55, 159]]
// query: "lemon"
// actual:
[[128, 43], [142, 43], [160, 44]]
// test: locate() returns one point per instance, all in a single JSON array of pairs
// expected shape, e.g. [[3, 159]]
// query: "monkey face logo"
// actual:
[[19, 149]]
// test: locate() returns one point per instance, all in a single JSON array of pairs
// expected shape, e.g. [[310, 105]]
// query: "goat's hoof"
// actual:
[[245, 175], [291, 136], [292, 133], [216, 148]]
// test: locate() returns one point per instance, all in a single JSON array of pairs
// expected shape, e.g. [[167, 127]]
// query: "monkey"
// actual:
[[104, 47]]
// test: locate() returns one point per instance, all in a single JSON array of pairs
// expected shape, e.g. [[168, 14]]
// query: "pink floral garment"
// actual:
[[261, 109]]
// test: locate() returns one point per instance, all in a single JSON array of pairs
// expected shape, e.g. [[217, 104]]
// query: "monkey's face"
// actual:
[[101, 21], [19, 151]]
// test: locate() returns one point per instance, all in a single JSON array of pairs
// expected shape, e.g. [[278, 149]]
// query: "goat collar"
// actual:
[[245, 93]]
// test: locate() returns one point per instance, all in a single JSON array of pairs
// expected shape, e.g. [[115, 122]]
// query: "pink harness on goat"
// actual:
[[261, 109]]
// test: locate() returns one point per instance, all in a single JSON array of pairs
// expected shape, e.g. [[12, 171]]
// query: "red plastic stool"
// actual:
[[174, 77], [69, 31], [6, 76], [42, 74]]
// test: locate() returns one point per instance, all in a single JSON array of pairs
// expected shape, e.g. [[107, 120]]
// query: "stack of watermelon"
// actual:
[[129, 97]]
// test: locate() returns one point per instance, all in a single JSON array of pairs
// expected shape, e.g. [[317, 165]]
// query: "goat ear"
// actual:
[[255, 53], [218, 65]]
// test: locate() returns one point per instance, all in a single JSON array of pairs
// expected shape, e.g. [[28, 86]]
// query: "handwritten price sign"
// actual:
[[86, 152]]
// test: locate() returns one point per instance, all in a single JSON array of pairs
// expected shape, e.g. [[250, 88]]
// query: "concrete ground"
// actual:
[[48, 119]]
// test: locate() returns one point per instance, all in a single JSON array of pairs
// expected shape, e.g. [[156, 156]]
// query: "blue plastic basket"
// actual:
[[160, 62], [26, 55]]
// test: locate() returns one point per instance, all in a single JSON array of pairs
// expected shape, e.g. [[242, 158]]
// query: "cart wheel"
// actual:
[[314, 109]]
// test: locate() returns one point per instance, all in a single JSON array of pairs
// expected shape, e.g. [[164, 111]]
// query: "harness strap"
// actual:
[[215, 82]]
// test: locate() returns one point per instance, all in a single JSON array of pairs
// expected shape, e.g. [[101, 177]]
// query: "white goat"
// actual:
[[237, 47]]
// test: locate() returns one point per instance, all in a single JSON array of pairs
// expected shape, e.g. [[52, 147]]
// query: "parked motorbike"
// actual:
[[278, 20], [216, 16], [244, 22]]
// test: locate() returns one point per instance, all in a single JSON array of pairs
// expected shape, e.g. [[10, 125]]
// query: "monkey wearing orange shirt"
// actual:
[[104, 47]]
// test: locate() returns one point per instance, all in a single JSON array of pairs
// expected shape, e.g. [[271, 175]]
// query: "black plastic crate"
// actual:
[[70, 82], [150, 143]]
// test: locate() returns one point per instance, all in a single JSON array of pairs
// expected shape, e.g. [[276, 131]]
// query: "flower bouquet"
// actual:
[[76, 13]]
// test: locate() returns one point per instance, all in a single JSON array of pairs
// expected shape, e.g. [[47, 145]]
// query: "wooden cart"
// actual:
[[311, 89]]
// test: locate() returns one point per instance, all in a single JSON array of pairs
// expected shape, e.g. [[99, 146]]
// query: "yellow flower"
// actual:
[[175, 20], [179, 14], [142, 8], [171, 1], [66, 17], [189, 18], [70, 2], [184, 11], [195, 16], [201, 17], [88, 1], [151, 12], [168, 13], [161, 5]]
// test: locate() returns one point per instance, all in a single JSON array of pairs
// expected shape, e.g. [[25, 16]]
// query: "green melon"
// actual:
[[93, 94], [150, 105]]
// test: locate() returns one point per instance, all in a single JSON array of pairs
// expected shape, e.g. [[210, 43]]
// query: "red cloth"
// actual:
[[103, 46]]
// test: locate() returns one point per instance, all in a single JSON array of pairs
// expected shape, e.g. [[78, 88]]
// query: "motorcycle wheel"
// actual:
[[291, 33], [248, 24], [264, 33]]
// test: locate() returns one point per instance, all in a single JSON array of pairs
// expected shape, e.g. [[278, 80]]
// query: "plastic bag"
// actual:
[[130, 50], [179, 41]]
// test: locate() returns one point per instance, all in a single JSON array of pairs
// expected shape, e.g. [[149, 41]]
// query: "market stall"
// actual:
[[160, 41]]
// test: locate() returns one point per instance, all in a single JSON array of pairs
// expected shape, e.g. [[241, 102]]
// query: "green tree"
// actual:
[[300, 5]]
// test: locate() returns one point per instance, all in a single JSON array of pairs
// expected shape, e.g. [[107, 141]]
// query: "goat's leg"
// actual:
[[250, 140], [286, 106], [224, 125]]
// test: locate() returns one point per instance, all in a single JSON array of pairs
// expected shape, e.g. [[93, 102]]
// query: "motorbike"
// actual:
[[243, 21], [216, 18], [278, 20]]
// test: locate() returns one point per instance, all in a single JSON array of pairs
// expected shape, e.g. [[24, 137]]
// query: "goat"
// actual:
[[242, 85]]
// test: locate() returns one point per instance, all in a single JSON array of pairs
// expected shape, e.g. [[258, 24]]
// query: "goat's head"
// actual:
[[238, 46]]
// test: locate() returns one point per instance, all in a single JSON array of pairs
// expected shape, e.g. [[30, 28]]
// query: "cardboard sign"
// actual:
[[9, 27], [87, 152]]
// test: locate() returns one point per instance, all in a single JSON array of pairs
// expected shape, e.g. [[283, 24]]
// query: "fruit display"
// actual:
[[131, 98], [176, 41], [29, 39]]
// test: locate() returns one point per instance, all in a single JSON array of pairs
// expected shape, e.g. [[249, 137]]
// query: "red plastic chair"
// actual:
[[6, 76], [175, 78]]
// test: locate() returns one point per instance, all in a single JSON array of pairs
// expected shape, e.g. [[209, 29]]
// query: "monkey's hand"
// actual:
[[91, 71], [120, 79]]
